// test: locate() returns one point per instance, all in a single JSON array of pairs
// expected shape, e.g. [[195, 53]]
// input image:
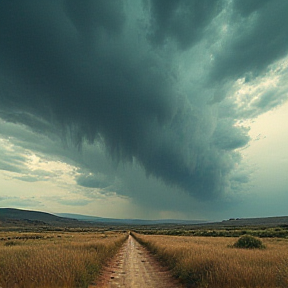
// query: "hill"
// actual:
[[19, 217], [265, 221], [114, 221]]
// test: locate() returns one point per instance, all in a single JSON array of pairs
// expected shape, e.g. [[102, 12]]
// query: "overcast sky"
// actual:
[[145, 108]]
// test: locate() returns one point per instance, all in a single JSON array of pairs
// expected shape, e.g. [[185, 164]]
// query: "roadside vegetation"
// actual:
[[55, 259], [216, 262], [280, 231]]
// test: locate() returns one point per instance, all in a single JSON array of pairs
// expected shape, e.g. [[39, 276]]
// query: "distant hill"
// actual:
[[12, 216], [22, 217], [94, 219], [265, 221], [19, 217]]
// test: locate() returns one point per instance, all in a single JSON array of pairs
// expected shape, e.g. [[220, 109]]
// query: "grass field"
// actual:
[[211, 262], [62, 259]]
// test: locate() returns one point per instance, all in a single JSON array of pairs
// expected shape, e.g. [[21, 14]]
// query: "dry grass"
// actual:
[[209, 262], [54, 260]]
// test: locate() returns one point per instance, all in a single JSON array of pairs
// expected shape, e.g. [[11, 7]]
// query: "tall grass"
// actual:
[[210, 262], [63, 260]]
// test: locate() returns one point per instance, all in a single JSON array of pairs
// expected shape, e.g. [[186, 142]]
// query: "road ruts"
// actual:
[[134, 267]]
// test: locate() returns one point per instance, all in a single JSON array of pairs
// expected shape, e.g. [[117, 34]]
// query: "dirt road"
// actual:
[[134, 267]]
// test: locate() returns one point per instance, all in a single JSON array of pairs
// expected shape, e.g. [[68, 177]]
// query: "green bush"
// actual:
[[10, 243], [250, 242]]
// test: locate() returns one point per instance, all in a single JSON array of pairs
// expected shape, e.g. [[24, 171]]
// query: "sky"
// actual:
[[145, 109]]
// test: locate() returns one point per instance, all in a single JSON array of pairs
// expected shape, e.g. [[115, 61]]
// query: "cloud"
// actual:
[[28, 178], [9, 160], [227, 138], [183, 21], [255, 39], [90, 15], [24, 202], [108, 77], [70, 202], [93, 181], [247, 7], [261, 94]]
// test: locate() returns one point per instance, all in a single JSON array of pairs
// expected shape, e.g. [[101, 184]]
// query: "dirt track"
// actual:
[[133, 267]]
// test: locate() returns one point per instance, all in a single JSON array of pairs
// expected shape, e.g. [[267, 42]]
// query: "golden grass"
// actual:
[[51, 260], [210, 262]]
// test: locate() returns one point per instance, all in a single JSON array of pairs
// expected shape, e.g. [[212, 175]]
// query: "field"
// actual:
[[42, 250], [212, 262], [55, 259]]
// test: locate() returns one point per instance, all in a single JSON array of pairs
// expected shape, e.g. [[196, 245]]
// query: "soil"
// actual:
[[134, 266]]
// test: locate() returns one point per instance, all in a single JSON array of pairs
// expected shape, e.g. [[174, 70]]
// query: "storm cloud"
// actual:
[[255, 40], [147, 80], [183, 21]]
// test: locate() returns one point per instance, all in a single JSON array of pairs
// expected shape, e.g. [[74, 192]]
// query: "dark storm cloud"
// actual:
[[228, 138], [91, 15], [92, 93], [257, 36], [183, 20], [80, 69], [247, 7], [93, 181]]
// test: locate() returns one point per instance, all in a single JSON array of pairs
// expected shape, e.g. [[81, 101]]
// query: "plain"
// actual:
[[213, 262]]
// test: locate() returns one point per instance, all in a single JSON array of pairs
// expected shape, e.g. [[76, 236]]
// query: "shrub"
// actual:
[[10, 243], [250, 242]]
